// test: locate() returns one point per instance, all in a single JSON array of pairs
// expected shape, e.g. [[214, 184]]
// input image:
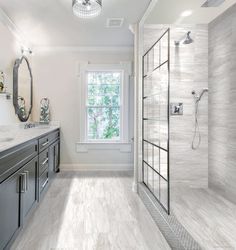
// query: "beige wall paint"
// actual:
[[188, 71], [55, 77]]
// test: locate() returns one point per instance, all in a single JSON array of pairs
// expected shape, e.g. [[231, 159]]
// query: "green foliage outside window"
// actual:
[[103, 105]]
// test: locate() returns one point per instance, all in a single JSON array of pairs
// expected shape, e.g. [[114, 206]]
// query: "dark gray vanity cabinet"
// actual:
[[18, 188], [54, 158], [25, 171], [49, 147], [9, 208], [29, 186]]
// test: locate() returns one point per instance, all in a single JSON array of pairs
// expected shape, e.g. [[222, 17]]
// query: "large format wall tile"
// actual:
[[222, 104], [188, 71]]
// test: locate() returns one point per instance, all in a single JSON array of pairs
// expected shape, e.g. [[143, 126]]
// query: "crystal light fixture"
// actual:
[[87, 8]]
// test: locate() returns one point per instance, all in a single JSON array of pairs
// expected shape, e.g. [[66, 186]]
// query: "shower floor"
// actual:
[[207, 216]]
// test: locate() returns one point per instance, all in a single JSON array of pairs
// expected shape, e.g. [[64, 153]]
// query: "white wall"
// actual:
[[55, 77], [9, 51]]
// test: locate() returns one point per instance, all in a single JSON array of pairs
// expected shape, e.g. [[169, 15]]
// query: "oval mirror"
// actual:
[[22, 88]]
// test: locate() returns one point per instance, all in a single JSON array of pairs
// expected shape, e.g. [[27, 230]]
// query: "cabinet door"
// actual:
[[57, 156], [29, 192], [9, 208], [54, 158], [51, 160]]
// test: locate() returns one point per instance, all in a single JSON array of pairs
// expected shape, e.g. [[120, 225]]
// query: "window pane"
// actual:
[[103, 123], [103, 105], [101, 77], [104, 95]]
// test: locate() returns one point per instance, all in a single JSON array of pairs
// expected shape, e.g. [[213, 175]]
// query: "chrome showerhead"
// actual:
[[188, 39]]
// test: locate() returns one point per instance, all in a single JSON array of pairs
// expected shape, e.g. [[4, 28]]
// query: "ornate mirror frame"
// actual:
[[15, 89]]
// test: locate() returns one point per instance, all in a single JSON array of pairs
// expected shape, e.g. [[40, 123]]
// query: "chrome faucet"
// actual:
[[29, 125]]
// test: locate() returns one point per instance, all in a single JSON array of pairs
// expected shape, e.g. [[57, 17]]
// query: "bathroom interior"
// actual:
[[117, 127]]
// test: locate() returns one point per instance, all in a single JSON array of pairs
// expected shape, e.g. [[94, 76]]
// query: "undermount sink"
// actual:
[[6, 139]]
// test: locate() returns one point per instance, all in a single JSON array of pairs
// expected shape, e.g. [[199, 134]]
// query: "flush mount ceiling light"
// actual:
[[187, 13], [87, 8]]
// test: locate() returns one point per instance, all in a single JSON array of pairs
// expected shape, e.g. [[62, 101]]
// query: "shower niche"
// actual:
[[155, 120]]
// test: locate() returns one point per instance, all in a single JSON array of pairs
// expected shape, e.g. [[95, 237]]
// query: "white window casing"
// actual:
[[82, 69]]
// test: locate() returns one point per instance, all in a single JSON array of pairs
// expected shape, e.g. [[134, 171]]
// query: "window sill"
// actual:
[[84, 147]]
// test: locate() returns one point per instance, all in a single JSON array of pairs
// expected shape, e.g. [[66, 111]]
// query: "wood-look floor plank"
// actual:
[[92, 210]]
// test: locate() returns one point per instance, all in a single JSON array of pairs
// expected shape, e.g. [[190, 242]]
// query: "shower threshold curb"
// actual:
[[175, 234]]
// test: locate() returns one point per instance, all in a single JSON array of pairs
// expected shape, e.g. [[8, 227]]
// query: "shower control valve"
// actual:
[[176, 108]]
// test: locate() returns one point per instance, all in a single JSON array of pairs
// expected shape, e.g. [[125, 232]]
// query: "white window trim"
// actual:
[[126, 69]]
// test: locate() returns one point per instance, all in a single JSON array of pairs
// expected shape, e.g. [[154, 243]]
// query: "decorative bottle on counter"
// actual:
[[44, 111], [2, 82]]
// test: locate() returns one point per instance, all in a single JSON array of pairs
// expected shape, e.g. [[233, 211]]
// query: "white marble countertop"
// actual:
[[14, 135]]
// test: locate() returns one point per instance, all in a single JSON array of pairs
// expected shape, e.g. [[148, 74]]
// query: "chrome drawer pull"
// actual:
[[44, 184], [23, 183], [45, 144], [45, 161], [27, 180]]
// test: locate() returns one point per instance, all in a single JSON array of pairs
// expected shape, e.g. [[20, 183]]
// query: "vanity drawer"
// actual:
[[54, 136], [43, 181], [45, 141], [15, 158], [43, 161]]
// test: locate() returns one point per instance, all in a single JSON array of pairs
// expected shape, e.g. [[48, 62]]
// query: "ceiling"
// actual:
[[165, 13], [51, 22]]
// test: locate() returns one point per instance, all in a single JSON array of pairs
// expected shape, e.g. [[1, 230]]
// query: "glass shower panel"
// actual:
[[164, 164], [150, 178], [151, 61], [156, 120], [150, 154], [156, 185], [145, 151], [145, 174], [164, 192], [157, 56], [156, 159], [145, 65], [153, 132], [164, 49], [150, 88]]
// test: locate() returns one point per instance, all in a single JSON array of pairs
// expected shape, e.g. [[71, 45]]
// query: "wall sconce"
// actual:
[[26, 50]]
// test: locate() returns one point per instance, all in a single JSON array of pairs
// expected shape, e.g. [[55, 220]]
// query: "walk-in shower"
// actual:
[[197, 133]]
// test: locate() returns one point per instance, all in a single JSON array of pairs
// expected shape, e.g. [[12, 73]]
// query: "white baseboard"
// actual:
[[96, 167]]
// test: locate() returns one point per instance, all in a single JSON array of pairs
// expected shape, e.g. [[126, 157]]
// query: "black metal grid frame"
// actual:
[[144, 76]]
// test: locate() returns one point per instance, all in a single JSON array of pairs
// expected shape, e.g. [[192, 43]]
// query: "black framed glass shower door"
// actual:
[[155, 124]]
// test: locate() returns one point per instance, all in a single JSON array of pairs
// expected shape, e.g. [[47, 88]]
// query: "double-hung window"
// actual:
[[103, 105], [104, 98]]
